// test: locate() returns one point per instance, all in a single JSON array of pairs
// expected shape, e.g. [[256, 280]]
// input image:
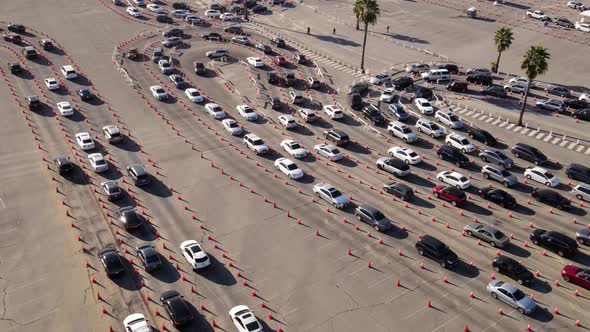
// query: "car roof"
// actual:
[[431, 240], [400, 185], [369, 208]]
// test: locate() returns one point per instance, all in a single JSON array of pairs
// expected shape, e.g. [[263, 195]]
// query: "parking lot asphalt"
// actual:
[[299, 263]]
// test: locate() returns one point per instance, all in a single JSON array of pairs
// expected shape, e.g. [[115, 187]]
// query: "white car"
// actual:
[[133, 11], [405, 154], [424, 106], [232, 127], [180, 13], [155, 8], [241, 40], [541, 175], [333, 111], [85, 141], [65, 108], [255, 144], [585, 97], [288, 121], [460, 142], [215, 111], [255, 61], [193, 95], [51, 83], [455, 179], [213, 13], [449, 119], [137, 323], [574, 4], [417, 68], [430, 128], [387, 95], [247, 112], [380, 78], [227, 17], [194, 254], [521, 80], [328, 151], [139, 3], [402, 131], [98, 163], [289, 168], [244, 319], [158, 92], [165, 66], [293, 148], [585, 27]]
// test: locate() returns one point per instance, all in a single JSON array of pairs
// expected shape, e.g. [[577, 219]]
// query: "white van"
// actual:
[[435, 75], [69, 72]]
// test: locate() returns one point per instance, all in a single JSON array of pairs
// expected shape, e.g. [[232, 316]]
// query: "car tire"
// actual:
[[520, 281], [561, 253], [458, 187], [484, 159], [436, 195], [421, 252], [449, 143], [407, 162], [579, 197], [458, 164], [528, 177], [443, 264], [516, 154], [486, 175], [468, 233], [432, 135], [493, 244], [419, 129], [440, 178], [358, 217], [566, 278], [536, 162], [453, 203], [376, 228], [464, 151], [497, 269], [506, 184], [535, 241], [521, 310], [547, 184]]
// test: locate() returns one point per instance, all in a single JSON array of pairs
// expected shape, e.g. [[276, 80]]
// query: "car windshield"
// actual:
[[66, 107], [100, 162], [406, 130], [425, 104], [152, 258], [463, 179], [257, 142], [253, 326], [500, 155], [334, 151], [505, 173], [233, 125], [464, 142], [454, 117], [160, 91], [216, 109], [291, 167], [86, 141], [195, 93], [295, 146], [549, 175], [413, 154], [375, 113], [378, 215], [518, 295], [195, 249], [498, 235], [433, 126]]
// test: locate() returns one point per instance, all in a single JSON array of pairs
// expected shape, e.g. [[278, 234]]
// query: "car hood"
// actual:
[[299, 151], [451, 256], [341, 199], [296, 172], [527, 303], [571, 269], [585, 233]]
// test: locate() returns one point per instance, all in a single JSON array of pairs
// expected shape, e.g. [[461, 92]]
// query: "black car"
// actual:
[[278, 42], [148, 256], [15, 68], [29, 52], [216, 6], [17, 28], [199, 68], [498, 196], [359, 87], [557, 242], [483, 79], [290, 78], [456, 86], [274, 102], [112, 190], [174, 32], [453, 155], [129, 217], [558, 91], [33, 102], [417, 91], [139, 175], [481, 135], [582, 114], [578, 172], [337, 136], [211, 36], [176, 307], [233, 29], [300, 58], [401, 83], [250, 3], [112, 262], [528, 153], [562, 21], [372, 113], [258, 9], [430, 246], [513, 269], [356, 101], [264, 48], [450, 67], [181, 5], [575, 104], [399, 190], [494, 91], [272, 77], [84, 93], [551, 197], [373, 217], [162, 18], [63, 164]]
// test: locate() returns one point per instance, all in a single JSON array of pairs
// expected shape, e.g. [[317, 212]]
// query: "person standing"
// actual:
[[334, 31], [387, 29], [308, 30]]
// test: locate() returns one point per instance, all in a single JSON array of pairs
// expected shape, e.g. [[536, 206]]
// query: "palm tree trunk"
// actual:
[[364, 45], [498, 62], [523, 106], [357, 24]]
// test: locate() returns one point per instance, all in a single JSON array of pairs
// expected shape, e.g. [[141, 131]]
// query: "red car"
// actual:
[[451, 194], [11, 37], [576, 275], [280, 60]]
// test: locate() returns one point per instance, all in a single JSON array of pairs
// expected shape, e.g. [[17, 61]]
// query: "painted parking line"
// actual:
[[526, 130], [510, 126], [580, 148], [503, 124], [532, 133], [563, 143], [587, 151], [571, 146], [517, 129], [547, 138], [489, 120], [557, 139], [496, 122], [469, 113], [482, 117]]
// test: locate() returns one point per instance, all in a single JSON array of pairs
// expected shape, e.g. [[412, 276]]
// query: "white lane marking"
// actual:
[[3, 205]]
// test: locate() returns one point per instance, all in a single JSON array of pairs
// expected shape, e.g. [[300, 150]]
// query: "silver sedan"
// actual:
[[487, 233], [514, 297]]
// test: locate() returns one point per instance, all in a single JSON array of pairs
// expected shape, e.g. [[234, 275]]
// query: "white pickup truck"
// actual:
[[537, 14]]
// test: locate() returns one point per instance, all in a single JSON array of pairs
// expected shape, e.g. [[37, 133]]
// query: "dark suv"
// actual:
[[481, 78], [557, 242], [373, 217], [139, 175], [199, 68], [513, 269], [33, 102], [337, 136], [356, 101], [399, 190], [432, 247], [453, 155], [149, 257], [176, 308], [578, 172], [372, 113], [551, 197], [15, 68], [528, 153], [63, 164], [278, 42], [457, 86], [401, 83]]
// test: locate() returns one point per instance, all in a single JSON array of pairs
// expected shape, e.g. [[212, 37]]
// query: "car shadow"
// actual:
[[423, 143], [199, 322], [128, 280], [396, 232], [521, 209], [474, 208], [347, 162], [82, 80], [425, 166], [357, 148], [76, 175], [541, 286], [56, 51], [321, 123], [24, 74], [157, 188], [405, 38], [94, 101], [523, 188], [581, 258], [218, 273], [418, 201], [167, 272], [110, 174], [337, 40], [44, 110], [542, 315], [516, 250], [577, 211], [419, 181], [466, 270], [307, 179], [552, 165], [127, 145], [77, 116], [350, 121], [40, 60]]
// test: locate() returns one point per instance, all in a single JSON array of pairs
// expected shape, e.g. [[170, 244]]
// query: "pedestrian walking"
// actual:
[[334, 31], [387, 29], [308, 30]]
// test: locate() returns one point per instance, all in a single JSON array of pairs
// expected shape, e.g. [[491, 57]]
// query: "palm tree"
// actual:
[[357, 9], [502, 39], [534, 64], [366, 12]]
